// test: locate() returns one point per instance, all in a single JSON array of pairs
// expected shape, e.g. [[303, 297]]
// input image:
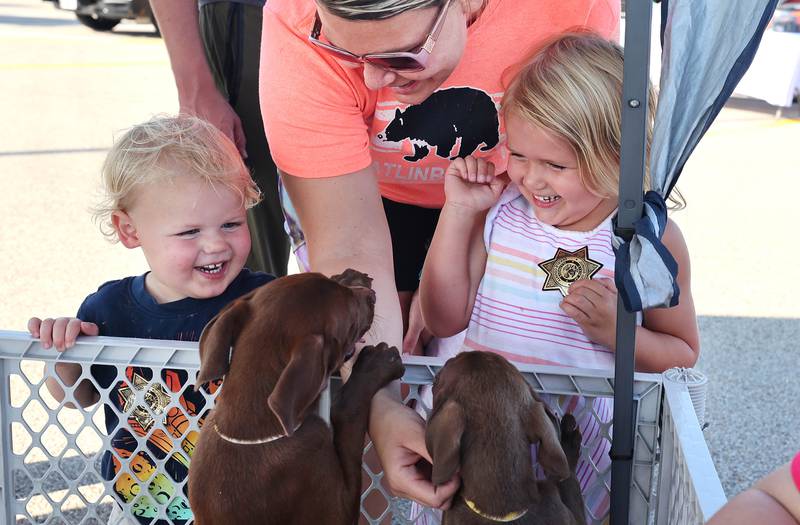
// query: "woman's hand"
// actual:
[[398, 434], [592, 303], [471, 183], [417, 336]]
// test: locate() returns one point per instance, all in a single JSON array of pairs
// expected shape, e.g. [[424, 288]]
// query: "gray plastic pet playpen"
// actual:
[[51, 453], [51, 459]]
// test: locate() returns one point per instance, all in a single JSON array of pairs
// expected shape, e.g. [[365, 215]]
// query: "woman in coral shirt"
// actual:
[[365, 102]]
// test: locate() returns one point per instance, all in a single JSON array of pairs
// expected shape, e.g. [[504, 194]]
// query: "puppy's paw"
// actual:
[[382, 363], [571, 439]]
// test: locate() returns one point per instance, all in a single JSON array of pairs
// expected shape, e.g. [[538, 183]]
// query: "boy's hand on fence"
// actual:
[[592, 303], [61, 332], [471, 183]]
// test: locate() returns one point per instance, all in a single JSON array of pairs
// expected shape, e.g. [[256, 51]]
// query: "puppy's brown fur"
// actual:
[[277, 347], [485, 417]]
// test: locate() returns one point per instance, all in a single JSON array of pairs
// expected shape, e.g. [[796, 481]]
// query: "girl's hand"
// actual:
[[471, 183], [592, 303], [60, 332]]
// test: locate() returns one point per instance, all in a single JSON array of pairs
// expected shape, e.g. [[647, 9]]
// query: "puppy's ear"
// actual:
[[218, 336], [301, 381], [353, 278], [541, 429], [443, 439]]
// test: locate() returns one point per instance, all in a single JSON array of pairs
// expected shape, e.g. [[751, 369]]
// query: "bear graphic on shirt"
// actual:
[[448, 116]]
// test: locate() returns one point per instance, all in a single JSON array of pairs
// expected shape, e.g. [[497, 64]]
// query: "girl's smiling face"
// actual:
[[402, 32], [194, 236], [545, 168]]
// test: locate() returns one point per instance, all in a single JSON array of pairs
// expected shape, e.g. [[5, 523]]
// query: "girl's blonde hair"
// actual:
[[572, 86], [151, 151]]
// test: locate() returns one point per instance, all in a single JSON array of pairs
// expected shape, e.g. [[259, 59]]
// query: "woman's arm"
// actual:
[[774, 499], [345, 227], [781, 486]]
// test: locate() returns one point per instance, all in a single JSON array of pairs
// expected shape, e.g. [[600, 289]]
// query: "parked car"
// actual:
[[787, 17], [104, 15]]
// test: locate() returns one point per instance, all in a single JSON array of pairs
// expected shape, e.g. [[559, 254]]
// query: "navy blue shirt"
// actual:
[[124, 308]]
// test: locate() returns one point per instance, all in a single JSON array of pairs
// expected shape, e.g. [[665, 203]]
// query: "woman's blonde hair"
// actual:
[[374, 9], [572, 86], [151, 151], [382, 9]]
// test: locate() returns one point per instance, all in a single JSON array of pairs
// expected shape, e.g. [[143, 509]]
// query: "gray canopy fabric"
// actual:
[[707, 45]]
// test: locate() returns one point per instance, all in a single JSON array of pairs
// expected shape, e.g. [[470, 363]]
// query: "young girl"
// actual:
[[532, 277]]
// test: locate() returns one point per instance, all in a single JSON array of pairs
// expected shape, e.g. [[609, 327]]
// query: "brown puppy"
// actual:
[[264, 456], [485, 418]]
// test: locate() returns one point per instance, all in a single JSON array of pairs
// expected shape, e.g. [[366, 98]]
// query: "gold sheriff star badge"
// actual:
[[156, 398], [567, 267]]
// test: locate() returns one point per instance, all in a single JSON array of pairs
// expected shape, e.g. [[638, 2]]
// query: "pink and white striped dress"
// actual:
[[512, 315], [515, 318]]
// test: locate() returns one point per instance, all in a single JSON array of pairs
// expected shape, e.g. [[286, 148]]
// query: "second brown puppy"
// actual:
[[485, 418], [264, 456]]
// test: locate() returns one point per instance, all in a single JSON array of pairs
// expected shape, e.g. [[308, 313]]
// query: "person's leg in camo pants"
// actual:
[[231, 33]]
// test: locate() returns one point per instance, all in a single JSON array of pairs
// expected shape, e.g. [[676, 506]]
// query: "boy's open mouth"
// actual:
[[211, 269]]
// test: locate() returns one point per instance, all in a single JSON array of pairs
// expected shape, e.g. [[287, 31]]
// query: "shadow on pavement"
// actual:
[[23, 153], [752, 408], [123, 30], [759, 106], [37, 22]]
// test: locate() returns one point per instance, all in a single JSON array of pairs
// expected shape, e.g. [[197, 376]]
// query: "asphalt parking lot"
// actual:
[[66, 90]]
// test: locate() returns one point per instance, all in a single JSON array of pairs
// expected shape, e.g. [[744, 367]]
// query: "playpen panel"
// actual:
[[53, 454]]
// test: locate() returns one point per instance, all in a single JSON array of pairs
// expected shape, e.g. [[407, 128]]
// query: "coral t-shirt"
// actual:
[[322, 121]]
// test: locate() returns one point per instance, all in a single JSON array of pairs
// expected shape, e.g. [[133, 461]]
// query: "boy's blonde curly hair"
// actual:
[[149, 152]]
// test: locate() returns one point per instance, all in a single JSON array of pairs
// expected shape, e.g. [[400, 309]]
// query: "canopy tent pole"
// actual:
[[632, 168]]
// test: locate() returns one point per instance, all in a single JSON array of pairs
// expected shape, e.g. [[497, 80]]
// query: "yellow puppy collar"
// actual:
[[511, 516]]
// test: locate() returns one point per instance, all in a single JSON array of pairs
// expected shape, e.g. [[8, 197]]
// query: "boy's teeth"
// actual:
[[211, 268]]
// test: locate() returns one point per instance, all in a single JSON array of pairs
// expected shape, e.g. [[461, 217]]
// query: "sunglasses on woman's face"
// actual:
[[414, 60]]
